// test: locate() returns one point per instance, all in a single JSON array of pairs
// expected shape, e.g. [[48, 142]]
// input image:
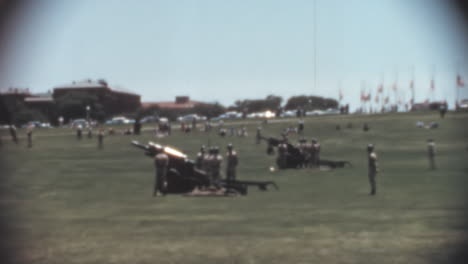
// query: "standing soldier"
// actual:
[[13, 134], [300, 127], [78, 132], [216, 161], [200, 162], [431, 150], [194, 123], [161, 162], [100, 138], [443, 109], [207, 164], [282, 154], [232, 161], [29, 131], [372, 157], [90, 131], [244, 131], [365, 127], [258, 136], [316, 152]]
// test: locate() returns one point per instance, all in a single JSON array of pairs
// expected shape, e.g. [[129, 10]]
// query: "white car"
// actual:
[[191, 117], [315, 112], [119, 120], [289, 113]]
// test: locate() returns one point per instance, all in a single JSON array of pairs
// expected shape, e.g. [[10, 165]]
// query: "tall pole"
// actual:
[[315, 45]]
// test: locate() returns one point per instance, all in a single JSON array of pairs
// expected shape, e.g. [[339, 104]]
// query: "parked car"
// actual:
[[331, 111], [149, 119], [75, 123], [119, 120], [289, 113], [228, 115], [190, 117], [315, 112]]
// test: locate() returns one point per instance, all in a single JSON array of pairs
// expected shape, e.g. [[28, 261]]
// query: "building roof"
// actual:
[[90, 84], [22, 91], [171, 105], [38, 99]]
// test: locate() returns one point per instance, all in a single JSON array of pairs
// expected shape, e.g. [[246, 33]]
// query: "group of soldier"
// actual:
[[209, 162], [100, 134]]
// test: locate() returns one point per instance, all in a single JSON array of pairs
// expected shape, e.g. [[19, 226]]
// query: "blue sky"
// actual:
[[223, 51]]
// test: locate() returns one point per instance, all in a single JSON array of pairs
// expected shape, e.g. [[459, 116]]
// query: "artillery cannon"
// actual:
[[184, 177], [293, 156]]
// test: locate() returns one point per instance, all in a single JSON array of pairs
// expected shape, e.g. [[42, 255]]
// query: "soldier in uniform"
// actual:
[[365, 127], [282, 154], [372, 159], [258, 136], [232, 161], [161, 162], [194, 123], [29, 133], [244, 131], [90, 132], [302, 148], [316, 152], [216, 161], [14, 137], [431, 151], [100, 138], [300, 127], [208, 164], [79, 132], [200, 161]]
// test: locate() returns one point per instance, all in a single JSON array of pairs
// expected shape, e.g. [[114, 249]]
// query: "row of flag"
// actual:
[[367, 97]]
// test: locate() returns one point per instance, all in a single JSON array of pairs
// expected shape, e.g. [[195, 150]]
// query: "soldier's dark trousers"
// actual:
[[432, 164], [231, 174], [160, 183], [29, 141], [372, 182]]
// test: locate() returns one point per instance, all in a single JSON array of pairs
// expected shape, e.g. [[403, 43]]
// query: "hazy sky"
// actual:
[[214, 50]]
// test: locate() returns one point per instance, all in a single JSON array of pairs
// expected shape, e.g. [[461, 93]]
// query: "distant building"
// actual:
[[114, 100], [180, 103], [427, 106], [42, 102]]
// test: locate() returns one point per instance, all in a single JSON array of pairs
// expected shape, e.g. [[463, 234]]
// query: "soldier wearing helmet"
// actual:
[[161, 162], [216, 161], [315, 155], [373, 169], [199, 163], [431, 151], [232, 161]]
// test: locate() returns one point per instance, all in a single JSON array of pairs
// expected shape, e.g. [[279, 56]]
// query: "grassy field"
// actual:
[[74, 204]]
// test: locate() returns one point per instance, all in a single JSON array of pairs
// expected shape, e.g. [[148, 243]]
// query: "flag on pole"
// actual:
[[460, 82], [386, 100], [411, 84], [341, 95], [380, 89], [432, 85]]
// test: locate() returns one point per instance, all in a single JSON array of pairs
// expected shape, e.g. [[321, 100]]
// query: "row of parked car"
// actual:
[[121, 120]]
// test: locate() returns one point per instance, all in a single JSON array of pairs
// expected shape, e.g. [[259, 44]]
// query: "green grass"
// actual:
[[75, 204]]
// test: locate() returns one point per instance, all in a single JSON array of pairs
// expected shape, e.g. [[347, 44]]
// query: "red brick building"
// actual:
[[114, 100]]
